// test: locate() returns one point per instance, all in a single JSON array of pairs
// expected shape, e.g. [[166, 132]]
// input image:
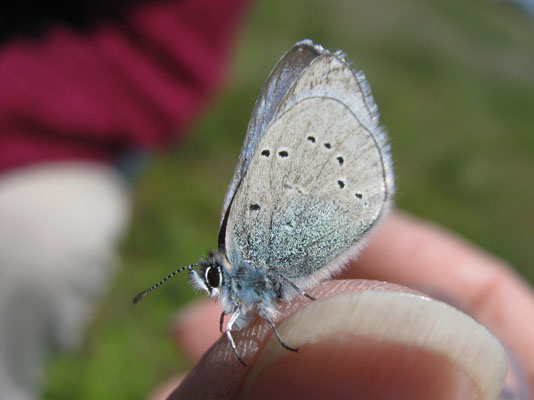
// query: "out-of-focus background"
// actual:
[[454, 81]]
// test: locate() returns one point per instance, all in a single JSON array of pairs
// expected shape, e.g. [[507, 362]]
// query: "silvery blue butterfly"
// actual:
[[313, 178]]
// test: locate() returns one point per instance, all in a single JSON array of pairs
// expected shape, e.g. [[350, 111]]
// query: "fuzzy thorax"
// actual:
[[245, 291]]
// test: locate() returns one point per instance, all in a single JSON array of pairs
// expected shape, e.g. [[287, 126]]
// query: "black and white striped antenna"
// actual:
[[138, 298]]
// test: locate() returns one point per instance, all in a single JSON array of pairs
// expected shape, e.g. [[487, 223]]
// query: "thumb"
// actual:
[[360, 339]]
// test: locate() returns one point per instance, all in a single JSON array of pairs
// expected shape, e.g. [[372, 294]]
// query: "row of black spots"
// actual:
[[341, 185], [283, 153], [312, 139], [266, 153], [254, 207], [328, 146]]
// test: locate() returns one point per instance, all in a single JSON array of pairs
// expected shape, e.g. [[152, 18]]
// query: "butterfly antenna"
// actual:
[[138, 298]]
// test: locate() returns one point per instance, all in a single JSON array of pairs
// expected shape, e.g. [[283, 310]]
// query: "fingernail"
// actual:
[[376, 344]]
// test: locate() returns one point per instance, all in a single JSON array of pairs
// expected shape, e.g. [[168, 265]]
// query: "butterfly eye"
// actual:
[[213, 277]]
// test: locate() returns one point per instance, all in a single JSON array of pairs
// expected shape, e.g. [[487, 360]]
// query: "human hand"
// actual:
[[375, 340]]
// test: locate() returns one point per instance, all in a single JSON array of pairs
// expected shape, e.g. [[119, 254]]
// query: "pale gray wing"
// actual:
[[320, 177], [273, 91]]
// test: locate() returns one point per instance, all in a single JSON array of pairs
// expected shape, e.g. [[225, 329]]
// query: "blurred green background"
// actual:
[[454, 81]]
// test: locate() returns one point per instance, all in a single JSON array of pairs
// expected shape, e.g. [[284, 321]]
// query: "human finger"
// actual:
[[426, 257], [359, 338]]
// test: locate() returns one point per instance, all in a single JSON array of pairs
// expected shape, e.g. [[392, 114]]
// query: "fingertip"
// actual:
[[431, 347], [379, 344]]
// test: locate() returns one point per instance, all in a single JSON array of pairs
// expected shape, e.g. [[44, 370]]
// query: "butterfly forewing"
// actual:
[[267, 106]]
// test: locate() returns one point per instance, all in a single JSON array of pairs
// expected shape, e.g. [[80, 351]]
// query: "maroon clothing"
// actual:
[[132, 81]]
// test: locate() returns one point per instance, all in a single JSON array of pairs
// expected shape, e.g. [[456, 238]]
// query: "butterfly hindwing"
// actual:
[[318, 179]]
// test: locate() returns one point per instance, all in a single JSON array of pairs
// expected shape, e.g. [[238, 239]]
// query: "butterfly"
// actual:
[[313, 178]]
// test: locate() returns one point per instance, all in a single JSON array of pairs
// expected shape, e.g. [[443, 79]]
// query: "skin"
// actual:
[[406, 251]]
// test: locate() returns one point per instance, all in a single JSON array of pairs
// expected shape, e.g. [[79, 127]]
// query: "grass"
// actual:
[[454, 84]]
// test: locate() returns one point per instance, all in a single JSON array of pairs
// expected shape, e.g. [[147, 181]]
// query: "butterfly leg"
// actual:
[[297, 289], [271, 325], [221, 321], [228, 332]]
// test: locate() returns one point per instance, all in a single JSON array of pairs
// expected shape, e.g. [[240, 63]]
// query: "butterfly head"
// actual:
[[209, 276]]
